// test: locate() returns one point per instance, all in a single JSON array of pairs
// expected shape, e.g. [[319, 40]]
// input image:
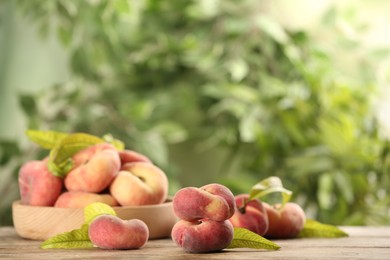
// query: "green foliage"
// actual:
[[270, 185], [314, 228], [227, 75], [11, 157], [244, 238], [76, 238], [45, 139], [96, 209]]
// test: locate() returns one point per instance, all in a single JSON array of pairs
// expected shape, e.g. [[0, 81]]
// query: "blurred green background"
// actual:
[[212, 91]]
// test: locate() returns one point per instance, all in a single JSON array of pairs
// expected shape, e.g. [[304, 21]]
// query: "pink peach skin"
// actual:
[[38, 186], [128, 156], [140, 183], [86, 154], [224, 192], [250, 215], [284, 222], [95, 174], [213, 201], [202, 236], [81, 199], [111, 232]]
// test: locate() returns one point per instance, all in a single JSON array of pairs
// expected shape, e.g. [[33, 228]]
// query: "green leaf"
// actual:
[[313, 228], [61, 154], [244, 238], [272, 29], [270, 185], [96, 209], [72, 144], [28, 104], [77, 238], [65, 35], [325, 190], [118, 144], [62, 169], [249, 126], [238, 69], [122, 6], [46, 139]]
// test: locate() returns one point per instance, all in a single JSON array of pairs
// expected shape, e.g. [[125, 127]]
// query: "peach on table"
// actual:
[[111, 232], [204, 213]]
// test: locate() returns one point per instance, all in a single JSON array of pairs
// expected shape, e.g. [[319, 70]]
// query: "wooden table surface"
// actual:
[[362, 243]]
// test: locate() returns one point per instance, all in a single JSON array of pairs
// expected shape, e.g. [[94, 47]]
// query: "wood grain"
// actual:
[[363, 243]]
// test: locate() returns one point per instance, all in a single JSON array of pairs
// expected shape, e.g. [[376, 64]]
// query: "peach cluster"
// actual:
[[100, 173], [204, 213], [272, 221]]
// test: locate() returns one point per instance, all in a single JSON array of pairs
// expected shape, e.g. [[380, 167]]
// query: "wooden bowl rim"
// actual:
[[166, 203]]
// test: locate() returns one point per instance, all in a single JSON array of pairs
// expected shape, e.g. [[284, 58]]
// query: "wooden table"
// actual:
[[362, 243]]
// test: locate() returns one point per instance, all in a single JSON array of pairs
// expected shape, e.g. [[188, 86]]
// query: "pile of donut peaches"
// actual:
[[100, 173], [209, 214]]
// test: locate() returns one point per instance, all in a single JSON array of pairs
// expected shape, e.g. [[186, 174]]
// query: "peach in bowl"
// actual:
[[55, 190]]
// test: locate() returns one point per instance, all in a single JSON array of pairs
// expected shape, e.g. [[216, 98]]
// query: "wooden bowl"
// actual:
[[40, 223]]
